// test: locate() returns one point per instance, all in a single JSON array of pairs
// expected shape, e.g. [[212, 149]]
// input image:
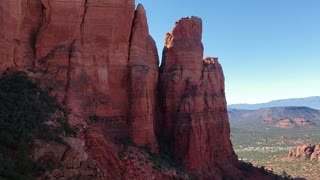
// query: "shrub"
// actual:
[[25, 109]]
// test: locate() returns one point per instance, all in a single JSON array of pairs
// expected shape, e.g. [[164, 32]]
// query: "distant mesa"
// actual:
[[312, 102], [281, 117]]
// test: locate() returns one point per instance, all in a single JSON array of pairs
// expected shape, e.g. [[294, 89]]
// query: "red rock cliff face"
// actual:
[[194, 124], [20, 21], [98, 58]]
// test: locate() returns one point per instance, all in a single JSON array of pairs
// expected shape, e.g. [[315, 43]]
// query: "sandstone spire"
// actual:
[[192, 100], [143, 77]]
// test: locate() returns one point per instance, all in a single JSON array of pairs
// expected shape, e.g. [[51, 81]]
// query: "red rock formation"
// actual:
[[102, 151], [315, 156], [85, 51], [77, 49], [295, 122], [302, 122], [143, 78], [20, 22], [285, 123], [306, 151], [103, 63], [98, 58], [9, 21], [194, 125]]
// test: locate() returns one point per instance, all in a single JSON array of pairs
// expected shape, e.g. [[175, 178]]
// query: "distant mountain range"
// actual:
[[312, 102], [281, 117]]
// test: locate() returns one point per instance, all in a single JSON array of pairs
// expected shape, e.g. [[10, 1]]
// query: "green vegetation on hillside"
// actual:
[[25, 109]]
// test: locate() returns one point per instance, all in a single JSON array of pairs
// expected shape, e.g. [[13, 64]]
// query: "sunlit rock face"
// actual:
[[194, 122]]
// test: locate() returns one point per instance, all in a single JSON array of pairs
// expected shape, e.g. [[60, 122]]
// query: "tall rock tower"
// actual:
[[194, 125]]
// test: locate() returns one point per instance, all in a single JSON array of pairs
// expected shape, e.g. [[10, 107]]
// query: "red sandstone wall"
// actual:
[[99, 60]]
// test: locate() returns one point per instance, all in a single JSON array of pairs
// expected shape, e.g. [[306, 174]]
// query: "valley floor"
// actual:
[[269, 148]]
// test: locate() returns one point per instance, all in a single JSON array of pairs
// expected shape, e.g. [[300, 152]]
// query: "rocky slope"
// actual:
[[98, 59]]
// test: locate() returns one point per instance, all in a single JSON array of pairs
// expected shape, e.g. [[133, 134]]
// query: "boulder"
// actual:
[[48, 152]]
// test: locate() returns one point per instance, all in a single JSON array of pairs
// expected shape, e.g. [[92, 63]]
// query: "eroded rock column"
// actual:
[[194, 123], [143, 78]]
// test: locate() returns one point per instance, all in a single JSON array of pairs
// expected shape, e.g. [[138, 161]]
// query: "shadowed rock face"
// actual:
[[194, 123], [98, 58]]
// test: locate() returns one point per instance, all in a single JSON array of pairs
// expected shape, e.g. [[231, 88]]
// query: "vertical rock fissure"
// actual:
[[131, 33], [33, 42], [130, 66], [128, 116], [70, 56], [83, 19], [202, 71], [129, 112]]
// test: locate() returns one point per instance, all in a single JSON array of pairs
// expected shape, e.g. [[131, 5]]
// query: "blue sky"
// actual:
[[269, 49]]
